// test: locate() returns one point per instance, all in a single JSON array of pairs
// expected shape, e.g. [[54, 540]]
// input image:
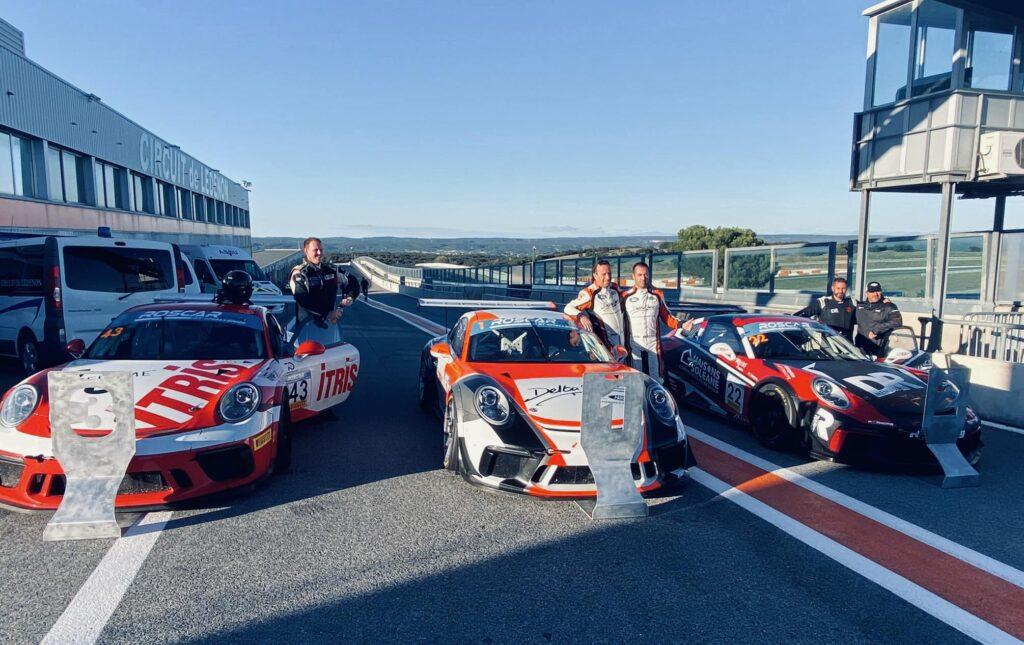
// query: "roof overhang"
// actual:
[[1013, 9]]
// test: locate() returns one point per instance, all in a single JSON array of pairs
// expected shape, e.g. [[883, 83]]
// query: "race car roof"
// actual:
[[197, 306], [522, 314], [746, 319]]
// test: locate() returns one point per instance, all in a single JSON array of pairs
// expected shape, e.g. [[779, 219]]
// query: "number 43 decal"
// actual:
[[298, 393]]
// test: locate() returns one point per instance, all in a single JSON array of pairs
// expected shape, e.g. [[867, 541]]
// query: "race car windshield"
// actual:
[[221, 268], [801, 342], [529, 343], [179, 335]]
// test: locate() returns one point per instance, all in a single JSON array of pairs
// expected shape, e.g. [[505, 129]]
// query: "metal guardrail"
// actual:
[[1001, 341]]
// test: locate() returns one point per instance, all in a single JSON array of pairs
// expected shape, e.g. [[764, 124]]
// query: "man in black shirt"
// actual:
[[365, 284], [837, 311], [876, 318], [315, 284]]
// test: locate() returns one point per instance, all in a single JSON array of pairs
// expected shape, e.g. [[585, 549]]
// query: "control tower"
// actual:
[[943, 113]]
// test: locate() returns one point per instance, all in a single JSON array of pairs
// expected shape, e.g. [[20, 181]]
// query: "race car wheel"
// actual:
[[28, 352], [283, 458], [451, 438], [771, 410]]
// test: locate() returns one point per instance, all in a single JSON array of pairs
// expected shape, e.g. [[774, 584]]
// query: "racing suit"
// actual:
[[645, 310], [879, 317], [605, 305], [839, 315], [315, 287]]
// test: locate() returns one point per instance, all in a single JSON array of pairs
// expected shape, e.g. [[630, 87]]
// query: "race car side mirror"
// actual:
[[76, 348], [441, 350], [621, 353], [309, 348], [898, 355], [723, 350]]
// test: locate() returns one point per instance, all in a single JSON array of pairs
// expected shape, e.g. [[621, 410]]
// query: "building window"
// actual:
[[16, 172], [933, 51], [200, 204], [184, 204], [989, 53], [69, 165], [167, 199], [211, 210], [143, 188], [892, 52], [106, 185], [137, 197]]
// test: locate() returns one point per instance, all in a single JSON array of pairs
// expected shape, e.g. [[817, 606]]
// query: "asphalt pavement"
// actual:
[[367, 539]]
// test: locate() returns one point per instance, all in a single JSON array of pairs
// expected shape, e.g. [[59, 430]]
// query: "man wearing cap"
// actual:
[[876, 318], [837, 311]]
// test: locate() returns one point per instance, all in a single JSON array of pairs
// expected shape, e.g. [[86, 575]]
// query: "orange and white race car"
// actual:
[[508, 384], [216, 389]]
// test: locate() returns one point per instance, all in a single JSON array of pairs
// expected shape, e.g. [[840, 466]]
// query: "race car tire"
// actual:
[[28, 353], [283, 457], [425, 388], [771, 410], [450, 429]]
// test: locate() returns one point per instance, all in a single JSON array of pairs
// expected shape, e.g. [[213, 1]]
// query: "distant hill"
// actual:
[[462, 245]]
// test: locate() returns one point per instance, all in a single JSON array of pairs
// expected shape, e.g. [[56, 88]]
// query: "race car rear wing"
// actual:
[[702, 309], [487, 304], [274, 303]]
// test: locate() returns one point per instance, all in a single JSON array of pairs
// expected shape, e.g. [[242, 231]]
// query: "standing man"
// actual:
[[315, 285], [876, 318], [837, 311], [365, 284], [645, 311], [598, 307]]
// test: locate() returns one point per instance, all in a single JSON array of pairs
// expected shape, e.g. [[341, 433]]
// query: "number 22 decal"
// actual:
[[734, 395]]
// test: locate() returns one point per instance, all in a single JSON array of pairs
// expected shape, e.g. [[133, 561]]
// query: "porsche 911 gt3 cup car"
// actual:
[[797, 381], [509, 383], [216, 391]]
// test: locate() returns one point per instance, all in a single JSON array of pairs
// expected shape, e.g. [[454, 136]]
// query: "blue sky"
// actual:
[[518, 118]]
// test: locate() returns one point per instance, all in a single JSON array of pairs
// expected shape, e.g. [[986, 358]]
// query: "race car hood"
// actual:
[[555, 398], [170, 396], [892, 391]]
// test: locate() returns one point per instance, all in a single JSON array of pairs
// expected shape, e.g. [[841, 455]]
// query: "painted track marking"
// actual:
[[1000, 426], [419, 322], [87, 614]]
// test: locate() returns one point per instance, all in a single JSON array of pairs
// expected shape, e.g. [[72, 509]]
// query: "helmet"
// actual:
[[236, 288]]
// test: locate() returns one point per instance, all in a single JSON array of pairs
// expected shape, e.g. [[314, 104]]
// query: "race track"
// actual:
[[368, 540]]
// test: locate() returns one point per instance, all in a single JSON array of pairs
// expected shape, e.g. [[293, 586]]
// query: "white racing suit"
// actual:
[[606, 306], [645, 310]]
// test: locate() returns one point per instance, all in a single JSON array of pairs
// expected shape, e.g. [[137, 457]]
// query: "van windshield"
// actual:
[[221, 267], [180, 334], [115, 269]]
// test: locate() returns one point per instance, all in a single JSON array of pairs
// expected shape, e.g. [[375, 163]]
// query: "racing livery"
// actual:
[[798, 382], [217, 389], [606, 307], [508, 384]]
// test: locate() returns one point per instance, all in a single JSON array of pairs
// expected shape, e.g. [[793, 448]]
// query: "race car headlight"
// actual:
[[18, 405], [662, 404], [239, 402], [830, 393], [492, 404]]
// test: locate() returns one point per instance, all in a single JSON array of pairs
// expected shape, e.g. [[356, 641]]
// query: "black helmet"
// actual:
[[235, 288]]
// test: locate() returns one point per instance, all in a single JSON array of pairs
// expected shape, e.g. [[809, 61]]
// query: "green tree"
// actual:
[[747, 271]]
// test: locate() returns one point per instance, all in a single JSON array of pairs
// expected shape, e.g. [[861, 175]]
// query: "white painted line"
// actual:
[[419, 322], [914, 594], [85, 617], [970, 556], [999, 426]]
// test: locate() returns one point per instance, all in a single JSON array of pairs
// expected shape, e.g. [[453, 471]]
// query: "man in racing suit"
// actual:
[[315, 285], [598, 307], [837, 311], [645, 311], [876, 318]]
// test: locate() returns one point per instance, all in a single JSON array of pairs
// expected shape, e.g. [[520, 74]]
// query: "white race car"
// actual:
[[217, 390]]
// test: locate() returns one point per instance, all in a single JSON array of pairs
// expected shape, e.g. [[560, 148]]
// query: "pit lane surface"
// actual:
[[368, 540]]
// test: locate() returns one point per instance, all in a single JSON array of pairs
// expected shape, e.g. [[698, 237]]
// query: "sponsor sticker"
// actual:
[[262, 439]]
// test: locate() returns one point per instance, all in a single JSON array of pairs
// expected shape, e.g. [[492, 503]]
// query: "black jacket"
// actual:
[[879, 317], [315, 287], [840, 316]]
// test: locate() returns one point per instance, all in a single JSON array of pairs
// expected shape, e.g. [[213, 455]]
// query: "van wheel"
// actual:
[[28, 352]]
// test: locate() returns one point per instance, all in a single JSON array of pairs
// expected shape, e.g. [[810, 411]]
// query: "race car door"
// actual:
[[724, 391], [317, 382]]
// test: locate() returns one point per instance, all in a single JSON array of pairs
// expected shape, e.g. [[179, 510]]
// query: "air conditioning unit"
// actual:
[[1000, 154]]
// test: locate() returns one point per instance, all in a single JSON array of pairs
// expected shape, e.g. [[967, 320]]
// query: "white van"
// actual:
[[211, 262], [55, 289]]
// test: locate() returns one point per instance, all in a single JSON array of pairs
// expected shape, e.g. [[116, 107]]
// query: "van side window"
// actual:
[[117, 269], [21, 271], [203, 274]]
